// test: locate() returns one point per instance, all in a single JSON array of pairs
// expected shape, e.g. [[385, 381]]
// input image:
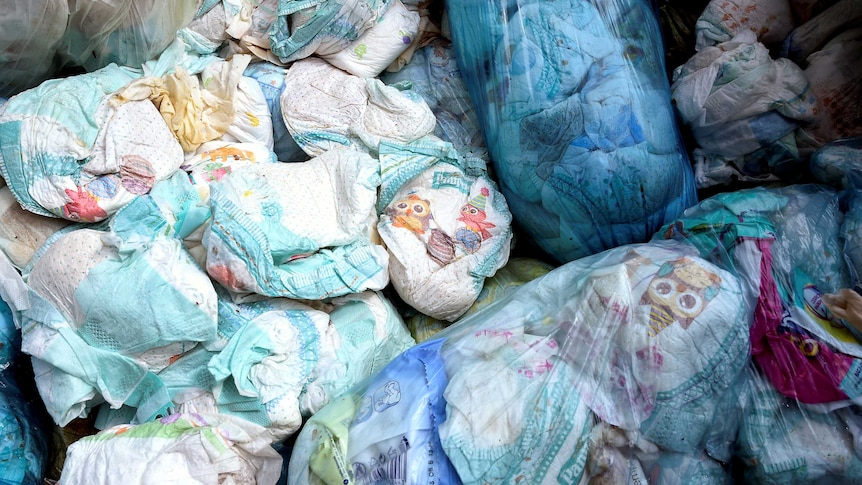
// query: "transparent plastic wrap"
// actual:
[[574, 102], [24, 447], [125, 32], [30, 31], [631, 353]]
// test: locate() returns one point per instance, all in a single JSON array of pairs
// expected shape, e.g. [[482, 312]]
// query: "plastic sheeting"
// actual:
[[574, 103]]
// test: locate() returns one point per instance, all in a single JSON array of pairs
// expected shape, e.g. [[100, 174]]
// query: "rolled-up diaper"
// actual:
[[379, 46], [444, 223], [297, 230], [84, 160]]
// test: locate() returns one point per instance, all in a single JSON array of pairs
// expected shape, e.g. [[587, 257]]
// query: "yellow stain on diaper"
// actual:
[[248, 193], [254, 120]]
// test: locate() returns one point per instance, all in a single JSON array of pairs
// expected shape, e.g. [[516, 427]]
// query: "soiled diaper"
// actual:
[[189, 448], [213, 160], [326, 108], [770, 20], [297, 230], [444, 223], [85, 159]]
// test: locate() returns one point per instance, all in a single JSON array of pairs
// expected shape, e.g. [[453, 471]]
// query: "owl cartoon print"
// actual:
[[413, 213], [678, 293], [475, 228]]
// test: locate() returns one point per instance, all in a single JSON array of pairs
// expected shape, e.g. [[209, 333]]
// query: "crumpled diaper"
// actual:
[[85, 159], [656, 335], [444, 223], [213, 160], [379, 46], [321, 27], [326, 108], [252, 122], [297, 230], [89, 293], [740, 103], [183, 448]]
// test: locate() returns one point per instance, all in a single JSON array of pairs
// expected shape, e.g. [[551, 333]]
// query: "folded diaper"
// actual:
[[833, 163], [326, 108], [373, 51], [23, 232], [185, 448], [433, 74], [382, 431], [656, 335], [84, 160], [444, 223], [253, 120], [321, 27], [297, 230], [574, 107]]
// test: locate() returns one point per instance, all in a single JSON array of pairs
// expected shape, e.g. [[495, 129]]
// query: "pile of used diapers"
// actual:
[[430, 242]]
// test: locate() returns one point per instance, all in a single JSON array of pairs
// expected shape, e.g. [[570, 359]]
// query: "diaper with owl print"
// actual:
[[445, 225]]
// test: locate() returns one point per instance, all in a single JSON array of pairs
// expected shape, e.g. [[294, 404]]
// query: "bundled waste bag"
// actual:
[[125, 32], [788, 239], [24, 64], [574, 103], [24, 447], [637, 346], [186, 448]]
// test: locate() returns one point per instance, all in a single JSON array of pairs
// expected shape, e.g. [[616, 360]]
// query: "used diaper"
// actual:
[[213, 160], [444, 223], [298, 230], [770, 20], [85, 159], [187, 448], [373, 51], [326, 108]]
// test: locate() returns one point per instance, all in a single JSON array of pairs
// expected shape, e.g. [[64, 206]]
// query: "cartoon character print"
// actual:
[[413, 213], [475, 228], [679, 292], [84, 206]]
